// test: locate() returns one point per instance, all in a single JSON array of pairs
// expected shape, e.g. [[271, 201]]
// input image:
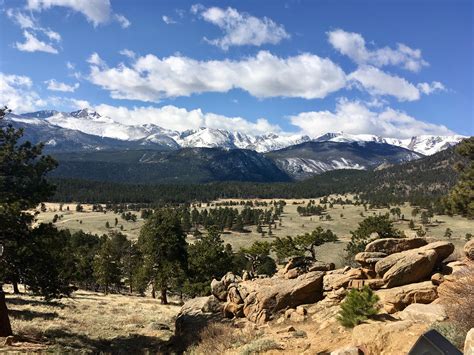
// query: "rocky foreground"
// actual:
[[296, 308]]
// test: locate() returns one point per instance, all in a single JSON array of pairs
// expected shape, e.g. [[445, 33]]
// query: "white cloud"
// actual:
[[356, 118], [97, 12], [353, 45], [96, 60], [33, 44], [70, 66], [180, 119], [427, 88], [52, 35], [54, 85], [128, 53], [122, 20], [16, 92], [168, 20], [150, 78], [21, 19], [240, 28], [377, 82]]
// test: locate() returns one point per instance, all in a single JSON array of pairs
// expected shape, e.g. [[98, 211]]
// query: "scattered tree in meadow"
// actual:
[[369, 229], [302, 245]]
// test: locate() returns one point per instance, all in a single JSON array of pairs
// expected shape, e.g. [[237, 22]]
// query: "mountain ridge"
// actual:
[[92, 123]]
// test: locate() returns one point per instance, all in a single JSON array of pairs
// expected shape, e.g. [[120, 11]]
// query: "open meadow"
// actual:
[[344, 219]]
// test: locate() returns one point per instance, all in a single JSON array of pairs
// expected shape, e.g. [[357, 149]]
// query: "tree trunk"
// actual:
[[5, 326], [153, 294], [16, 290], [164, 299]]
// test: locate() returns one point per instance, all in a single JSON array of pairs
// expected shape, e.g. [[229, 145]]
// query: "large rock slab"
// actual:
[[427, 313], [194, 315], [469, 343], [412, 266], [469, 249], [442, 249], [334, 281], [369, 258], [398, 298], [394, 245], [384, 338], [266, 296]]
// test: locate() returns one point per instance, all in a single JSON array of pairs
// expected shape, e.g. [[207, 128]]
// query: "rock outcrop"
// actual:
[[394, 245], [469, 249], [427, 313], [398, 298]]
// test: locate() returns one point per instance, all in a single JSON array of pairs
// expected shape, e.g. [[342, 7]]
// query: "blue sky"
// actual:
[[392, 68]]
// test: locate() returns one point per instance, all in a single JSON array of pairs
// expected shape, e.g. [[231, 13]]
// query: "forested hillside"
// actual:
[[420, 182]]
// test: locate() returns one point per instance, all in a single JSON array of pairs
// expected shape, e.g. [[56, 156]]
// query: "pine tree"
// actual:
[[303, 244], [22, 186], [163, 244], [461, 198], [358, 306]]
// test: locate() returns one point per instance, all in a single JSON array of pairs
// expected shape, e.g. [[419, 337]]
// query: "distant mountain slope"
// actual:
[[308, 159], [187, 165], [152, 136], [420, 182]]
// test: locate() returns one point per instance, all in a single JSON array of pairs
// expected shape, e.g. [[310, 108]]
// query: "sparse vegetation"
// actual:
[[358, 306]]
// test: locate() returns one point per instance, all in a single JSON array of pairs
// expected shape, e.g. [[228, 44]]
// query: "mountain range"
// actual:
[[97, 147]]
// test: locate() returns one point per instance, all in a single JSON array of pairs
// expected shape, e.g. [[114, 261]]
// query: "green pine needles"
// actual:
[[358, 306]]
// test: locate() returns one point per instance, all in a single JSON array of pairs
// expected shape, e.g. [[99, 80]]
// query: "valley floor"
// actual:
[[344, 219]]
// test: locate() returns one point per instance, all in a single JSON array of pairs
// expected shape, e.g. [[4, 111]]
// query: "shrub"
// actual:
[[358, 306]]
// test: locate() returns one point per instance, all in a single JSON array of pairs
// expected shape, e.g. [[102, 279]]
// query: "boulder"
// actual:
[[334, 281], [384, 338], [219, 289], [233, 295], [427, 313], [233, 310], [437, 279], [369, 258], [297, 261], [469, 343], [398, 298], [442, 249], [394, 245], [411, 266], [271, 295], [320, 266], [469, 249], [194, 315], [374, 284]]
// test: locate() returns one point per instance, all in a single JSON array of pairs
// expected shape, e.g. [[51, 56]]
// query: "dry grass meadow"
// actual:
[[90, 322], [344, 219]]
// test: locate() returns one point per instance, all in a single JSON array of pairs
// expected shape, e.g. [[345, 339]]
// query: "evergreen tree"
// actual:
[[258, 257], [303, 244], [163, 244], [461, 198], [369, 229], [22, 186], [207, 259], [358, 306]]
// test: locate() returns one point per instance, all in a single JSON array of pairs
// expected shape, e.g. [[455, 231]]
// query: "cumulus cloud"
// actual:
[[17, 93], [122, 20], [356, 117], [180, 119], [54, 85], [31, 32], [150, 78], [33, 44], [353, 45], [377, 82], [240, 28], [427, 88], [97, 12], [128, 53], [168, 20]]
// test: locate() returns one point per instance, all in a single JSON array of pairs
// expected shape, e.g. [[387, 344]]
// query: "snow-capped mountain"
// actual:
[[424, 144], [91, 123]]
